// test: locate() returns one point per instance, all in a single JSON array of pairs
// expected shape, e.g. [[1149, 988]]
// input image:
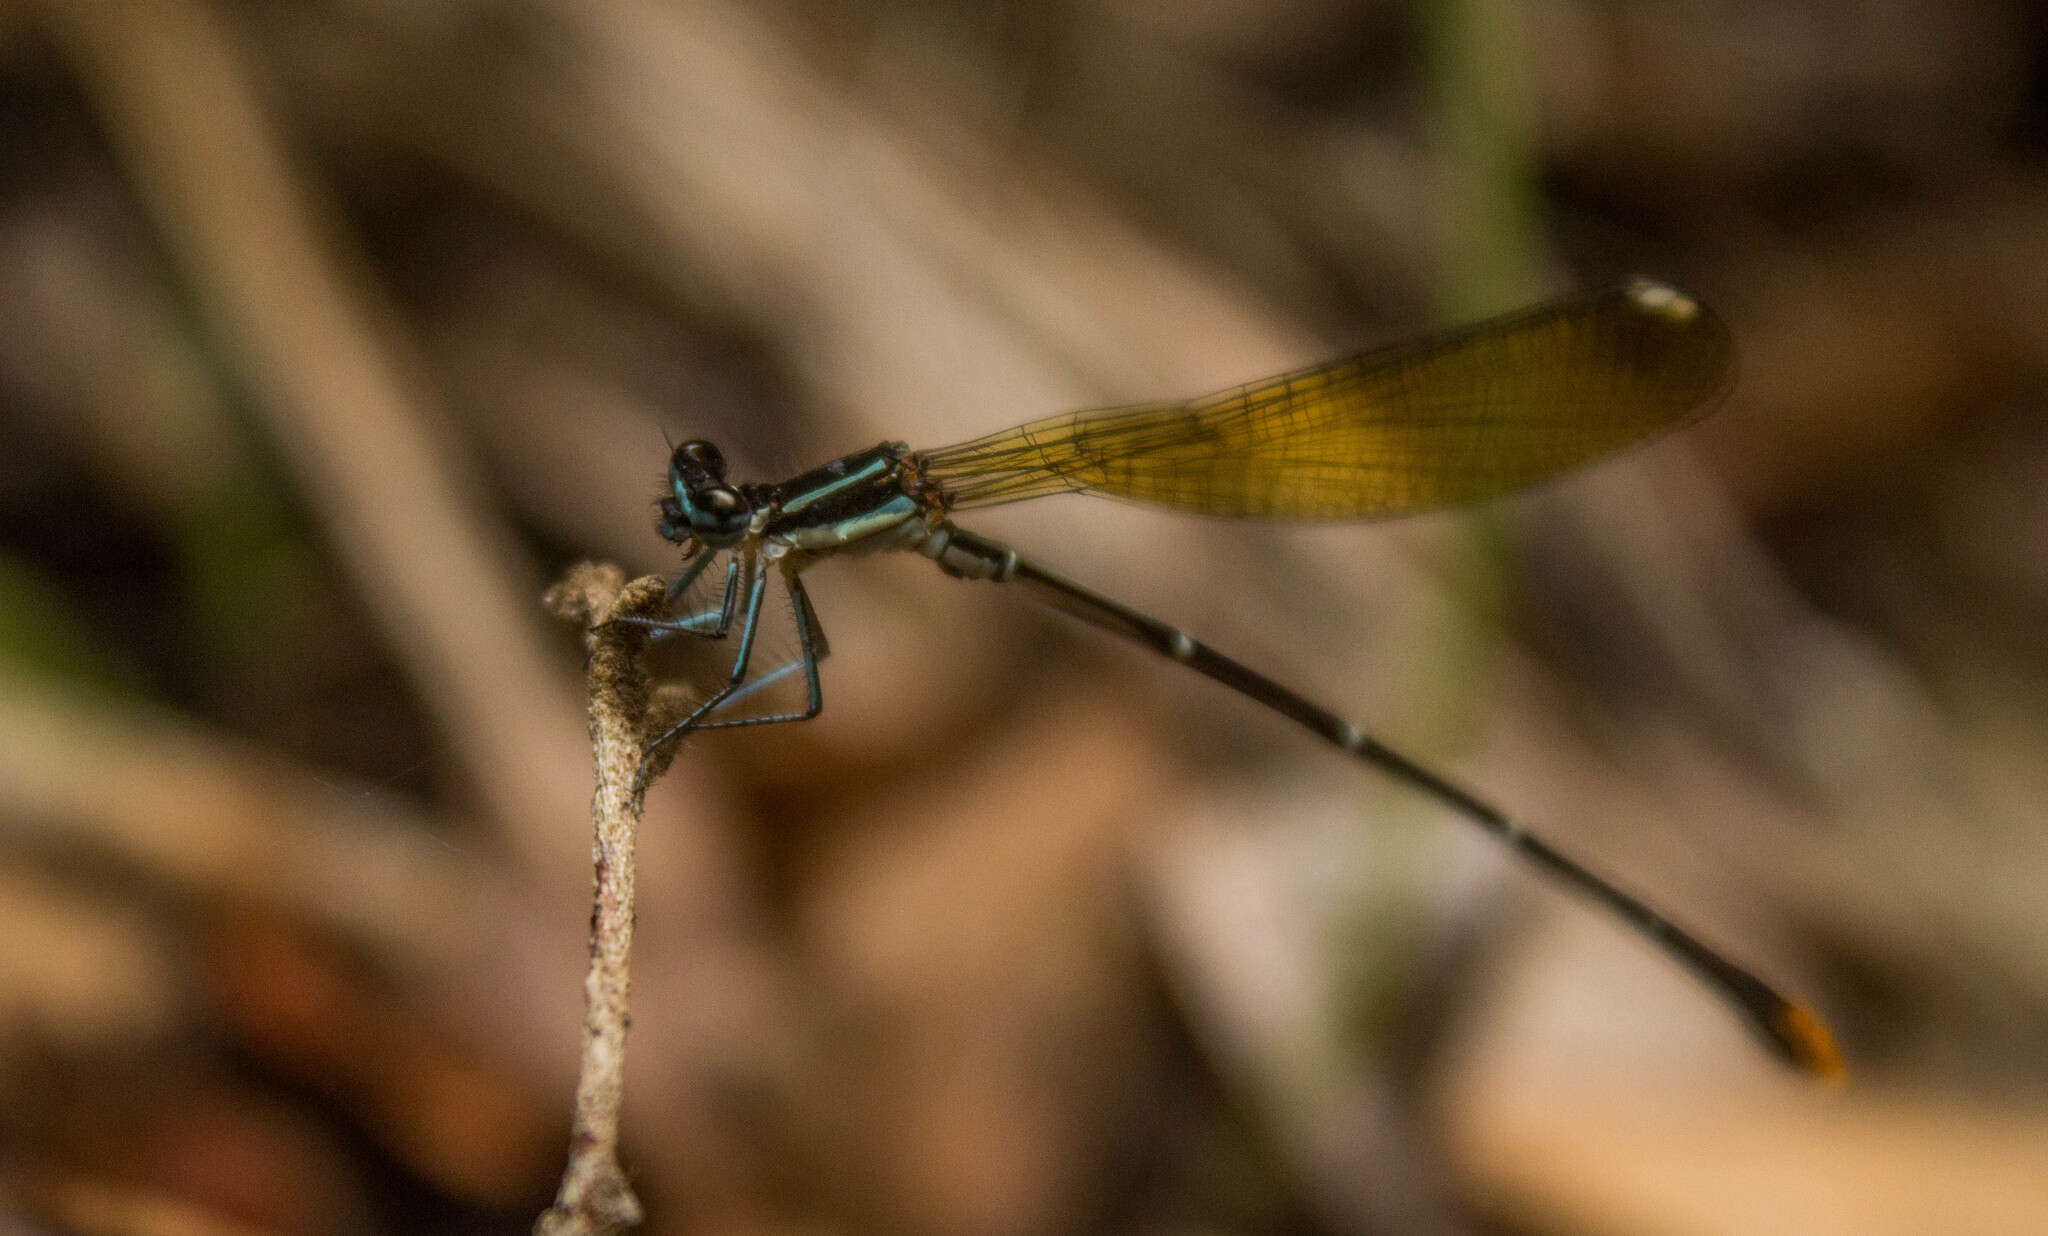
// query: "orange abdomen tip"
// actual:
[[1806, 1038]]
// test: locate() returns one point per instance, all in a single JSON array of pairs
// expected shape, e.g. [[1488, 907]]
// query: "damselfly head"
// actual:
[[699, 503], [673, 524]]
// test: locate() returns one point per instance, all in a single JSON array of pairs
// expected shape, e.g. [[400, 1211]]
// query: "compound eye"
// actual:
[[719, 508], [700, 456]]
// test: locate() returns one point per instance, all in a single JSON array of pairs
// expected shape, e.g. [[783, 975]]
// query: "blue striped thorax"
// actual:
[[851, 500]]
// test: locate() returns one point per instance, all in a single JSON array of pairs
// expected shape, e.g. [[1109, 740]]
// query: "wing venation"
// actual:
[[1443, 421]]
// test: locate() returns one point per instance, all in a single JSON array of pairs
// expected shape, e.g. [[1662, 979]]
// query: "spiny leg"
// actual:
[[811, 649], [749, 626], [693, 624], [681, 583]]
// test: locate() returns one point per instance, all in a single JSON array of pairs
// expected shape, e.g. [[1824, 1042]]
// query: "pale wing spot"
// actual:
[[1663, 301]]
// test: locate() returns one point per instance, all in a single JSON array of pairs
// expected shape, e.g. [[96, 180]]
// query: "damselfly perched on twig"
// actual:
[[1443, 421]]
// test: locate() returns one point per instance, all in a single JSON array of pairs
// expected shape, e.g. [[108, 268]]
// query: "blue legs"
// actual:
[[719, 616], [716, 622]]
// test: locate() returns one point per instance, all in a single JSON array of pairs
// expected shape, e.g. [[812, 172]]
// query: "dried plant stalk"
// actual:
[[594, 1195]]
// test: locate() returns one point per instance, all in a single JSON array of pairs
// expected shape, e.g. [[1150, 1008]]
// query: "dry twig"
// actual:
[[594, 1196]]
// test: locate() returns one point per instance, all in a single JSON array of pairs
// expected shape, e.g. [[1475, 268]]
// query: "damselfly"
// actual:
[[1447, 420]]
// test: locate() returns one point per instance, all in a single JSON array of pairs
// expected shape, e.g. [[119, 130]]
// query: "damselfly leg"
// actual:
[[712, 622], [811, 648]]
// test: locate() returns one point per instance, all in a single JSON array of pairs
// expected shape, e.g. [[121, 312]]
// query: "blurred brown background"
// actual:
[[331, 330]]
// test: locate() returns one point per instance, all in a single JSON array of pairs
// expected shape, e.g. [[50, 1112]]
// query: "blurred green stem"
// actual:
[[1480, 113]]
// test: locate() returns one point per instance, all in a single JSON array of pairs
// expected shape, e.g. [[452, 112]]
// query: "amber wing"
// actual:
[[1441, 421]]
